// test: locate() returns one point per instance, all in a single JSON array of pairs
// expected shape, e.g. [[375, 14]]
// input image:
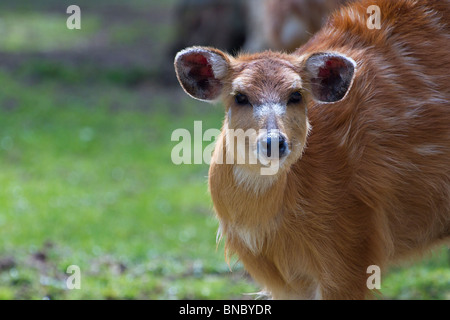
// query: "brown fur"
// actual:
[[372, 184]]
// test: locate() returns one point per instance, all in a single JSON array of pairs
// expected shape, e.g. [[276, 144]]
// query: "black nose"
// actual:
[[282, 145]]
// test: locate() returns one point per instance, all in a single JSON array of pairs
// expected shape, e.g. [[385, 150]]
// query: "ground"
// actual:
[[86, 118]]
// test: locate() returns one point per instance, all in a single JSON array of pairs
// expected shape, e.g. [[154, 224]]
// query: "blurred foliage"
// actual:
[[85, 140], [32, 31]]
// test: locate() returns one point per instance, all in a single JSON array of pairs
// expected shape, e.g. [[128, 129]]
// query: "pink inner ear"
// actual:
[[332, 77], [324, 72], [332, 65], [199, 66], [196, 58]]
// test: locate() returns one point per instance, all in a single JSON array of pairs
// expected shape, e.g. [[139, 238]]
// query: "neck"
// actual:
[[252, 181], [245, 201]]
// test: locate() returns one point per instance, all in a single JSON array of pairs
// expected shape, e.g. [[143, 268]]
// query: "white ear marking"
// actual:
[[200, 72], [219, 66]]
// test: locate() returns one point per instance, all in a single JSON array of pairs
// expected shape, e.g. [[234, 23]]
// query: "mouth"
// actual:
[[266, 157], [267, 162], [265, 151]]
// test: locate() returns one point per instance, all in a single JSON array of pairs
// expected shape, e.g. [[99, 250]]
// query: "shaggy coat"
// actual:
[[367, 181]]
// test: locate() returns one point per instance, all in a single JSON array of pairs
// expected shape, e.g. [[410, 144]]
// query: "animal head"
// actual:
[[266, 97]]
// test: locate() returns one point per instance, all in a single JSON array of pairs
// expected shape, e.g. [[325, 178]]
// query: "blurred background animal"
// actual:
[[250, 25], [286, 24]]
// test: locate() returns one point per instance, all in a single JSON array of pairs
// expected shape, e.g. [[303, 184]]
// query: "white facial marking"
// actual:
[[238, 85], [265, 109], [253, 181]]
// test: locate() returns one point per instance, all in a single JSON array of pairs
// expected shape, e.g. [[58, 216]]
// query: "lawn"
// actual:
[[87, 178], [86, 181]]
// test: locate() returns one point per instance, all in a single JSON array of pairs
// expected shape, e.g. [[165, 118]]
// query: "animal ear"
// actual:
[[330, 75], [201, 71]]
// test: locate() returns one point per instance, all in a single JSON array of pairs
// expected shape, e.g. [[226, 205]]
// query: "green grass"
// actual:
[[86, 184], [427, 279], [86, 176]]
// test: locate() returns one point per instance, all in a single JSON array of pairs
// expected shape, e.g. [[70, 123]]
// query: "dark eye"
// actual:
[[241, 99], [295, 97]]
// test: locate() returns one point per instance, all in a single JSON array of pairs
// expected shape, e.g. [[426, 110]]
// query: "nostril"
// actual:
[[282, 146], [269, 146]]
